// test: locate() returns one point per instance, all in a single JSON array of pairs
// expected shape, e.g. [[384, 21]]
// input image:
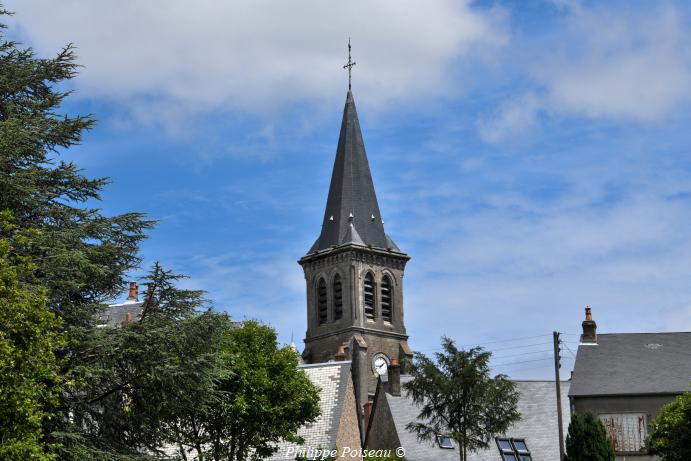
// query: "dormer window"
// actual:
[[338, 297], [386, 299], [321, 301], [368, 291]]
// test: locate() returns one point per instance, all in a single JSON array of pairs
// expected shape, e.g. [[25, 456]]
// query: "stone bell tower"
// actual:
[[354, 272]]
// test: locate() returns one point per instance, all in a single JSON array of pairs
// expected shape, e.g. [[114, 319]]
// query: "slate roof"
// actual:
[[538, 426], [633, 364], [117, 313], [352, 199], [332, 380]]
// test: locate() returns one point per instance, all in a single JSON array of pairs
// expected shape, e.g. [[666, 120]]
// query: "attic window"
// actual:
[[338, 297], [445, 442], [368, 289], [514, 450], [386, 304], [321, 301]]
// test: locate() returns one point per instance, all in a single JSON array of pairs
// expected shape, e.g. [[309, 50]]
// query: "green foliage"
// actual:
[[458, 398], [79, 256], [670, 436], [29, 337], [263, 398], [143, 382], [587, 440]]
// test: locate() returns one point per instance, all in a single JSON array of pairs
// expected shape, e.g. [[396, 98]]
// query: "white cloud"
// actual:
[[512, 119], [261, 54], [599, 62], [621, 64]]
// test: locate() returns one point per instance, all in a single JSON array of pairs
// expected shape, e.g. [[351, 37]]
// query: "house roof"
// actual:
[[117, 313], [332, 380], [538, 426], [633, 363], [352, 212]]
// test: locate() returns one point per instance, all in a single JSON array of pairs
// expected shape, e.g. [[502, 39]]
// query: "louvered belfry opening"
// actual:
[[322, 301], [338, 297], [368, 288], [386, 299]]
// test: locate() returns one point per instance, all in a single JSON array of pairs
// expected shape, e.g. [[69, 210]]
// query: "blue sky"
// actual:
[[531, 156]]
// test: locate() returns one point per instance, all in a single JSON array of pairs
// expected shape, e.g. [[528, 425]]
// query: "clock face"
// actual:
[[380, 364]]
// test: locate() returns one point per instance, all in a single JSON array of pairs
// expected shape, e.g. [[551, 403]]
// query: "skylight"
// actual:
[[514, 450], [445, 442]]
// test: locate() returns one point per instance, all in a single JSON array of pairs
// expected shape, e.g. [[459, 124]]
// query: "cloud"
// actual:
[[621, 64], [260, 55], [603, 62], [512, 119]]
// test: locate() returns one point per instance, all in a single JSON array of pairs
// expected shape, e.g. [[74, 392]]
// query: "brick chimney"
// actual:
[[128, 317], [394, 377], [341, 355], [134, 292], [589, 335], [368, 413]]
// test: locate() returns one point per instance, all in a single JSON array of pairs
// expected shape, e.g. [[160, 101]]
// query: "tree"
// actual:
[[458, 398], [263, 399], [144, 382], [80, 257], [29, 338], [587, 439], [670, 436]]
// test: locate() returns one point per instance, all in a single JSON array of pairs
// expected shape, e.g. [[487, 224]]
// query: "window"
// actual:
[[368, 288], [338, 297], [514, 450], [445, 442], [321, 301], [386, 299], [627, 431]]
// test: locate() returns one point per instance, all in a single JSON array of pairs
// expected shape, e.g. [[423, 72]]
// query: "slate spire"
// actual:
[[352, 212]]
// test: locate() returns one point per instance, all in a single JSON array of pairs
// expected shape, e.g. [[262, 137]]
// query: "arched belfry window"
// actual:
[[386, 299], [338, 297], [321, 301], [368, 290]]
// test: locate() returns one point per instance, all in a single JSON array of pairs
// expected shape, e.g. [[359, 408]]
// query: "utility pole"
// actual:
[[557, 366]]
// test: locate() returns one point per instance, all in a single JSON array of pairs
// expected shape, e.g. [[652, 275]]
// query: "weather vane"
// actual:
[[349, 66]]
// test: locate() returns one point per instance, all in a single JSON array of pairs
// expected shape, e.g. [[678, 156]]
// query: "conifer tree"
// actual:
[[587, 440], [458, 398]]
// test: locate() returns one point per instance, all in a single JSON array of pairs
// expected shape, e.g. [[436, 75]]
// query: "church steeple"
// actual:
[[352, 212]]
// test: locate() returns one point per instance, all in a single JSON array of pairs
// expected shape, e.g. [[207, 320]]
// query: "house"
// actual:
[[534, 438], [127, 311], [625, 378], [337, 426]]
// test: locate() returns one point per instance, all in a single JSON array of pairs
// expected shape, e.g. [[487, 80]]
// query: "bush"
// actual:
[[587, 440]]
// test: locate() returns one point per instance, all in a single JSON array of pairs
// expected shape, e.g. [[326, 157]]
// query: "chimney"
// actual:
[[368, 414], [395, 377], [128, 317], [340, 355], [134, 292], [589, 335]]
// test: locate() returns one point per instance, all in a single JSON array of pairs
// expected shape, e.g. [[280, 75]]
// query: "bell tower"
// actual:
[[354, 272]]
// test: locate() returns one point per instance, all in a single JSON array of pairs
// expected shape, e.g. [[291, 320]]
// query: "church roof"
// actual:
[[332, 380], [352, 212]]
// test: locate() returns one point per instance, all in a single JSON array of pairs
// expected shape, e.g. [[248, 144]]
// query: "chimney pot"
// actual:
[[394, 377], [128, 317], [134, 292], [589, 335], [341, 355]]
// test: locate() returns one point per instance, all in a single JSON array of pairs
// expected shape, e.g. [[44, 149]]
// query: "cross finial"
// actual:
[[349, 66]]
